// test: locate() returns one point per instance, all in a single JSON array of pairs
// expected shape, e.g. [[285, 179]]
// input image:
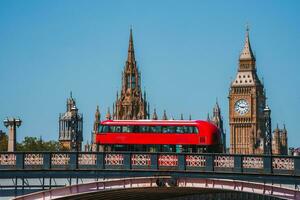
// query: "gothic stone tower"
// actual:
[[246, 104], [131, 104], [97, 122], [217, 119], [279, 141], [70, 127]]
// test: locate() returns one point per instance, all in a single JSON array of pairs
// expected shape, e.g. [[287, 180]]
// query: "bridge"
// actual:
[[26, 172]]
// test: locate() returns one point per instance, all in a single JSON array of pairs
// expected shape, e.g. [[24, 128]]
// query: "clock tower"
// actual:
[[246, 103]]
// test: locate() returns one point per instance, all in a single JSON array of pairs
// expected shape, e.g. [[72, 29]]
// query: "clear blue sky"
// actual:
[[187, 52]]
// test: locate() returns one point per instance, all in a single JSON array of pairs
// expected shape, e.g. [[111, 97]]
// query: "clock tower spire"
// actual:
[[246, 102]]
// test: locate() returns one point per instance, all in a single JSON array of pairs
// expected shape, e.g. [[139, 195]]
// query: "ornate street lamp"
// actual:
[[268, 135], [12, 124], [74, 128]]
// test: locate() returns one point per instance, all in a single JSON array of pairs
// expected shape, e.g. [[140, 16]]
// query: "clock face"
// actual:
[[241, 106]]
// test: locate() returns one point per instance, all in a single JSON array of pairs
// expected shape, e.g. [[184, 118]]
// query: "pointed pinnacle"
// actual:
[[130, 57], [247, 53]]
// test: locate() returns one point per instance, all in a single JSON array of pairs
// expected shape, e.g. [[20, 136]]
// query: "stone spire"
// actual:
[[216, 110], [97, 114], [284, 129], [131, 103], [217, 118], [164, 117], [154, 116], [277, 128], [208, 117], [97, 121], [93, 146], [284, 148], [247, 53], [130, 57], [108, 115], [276, 141], [70, 103]]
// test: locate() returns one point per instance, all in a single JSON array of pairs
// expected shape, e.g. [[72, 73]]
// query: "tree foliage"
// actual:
[[3, 142], [37, 144]]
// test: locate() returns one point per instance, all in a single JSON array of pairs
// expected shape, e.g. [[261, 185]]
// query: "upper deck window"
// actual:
[[104, 129], [127, 129], [116, 129]]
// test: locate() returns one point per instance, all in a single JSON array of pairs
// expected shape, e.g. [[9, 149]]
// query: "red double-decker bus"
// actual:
[[158, 136]]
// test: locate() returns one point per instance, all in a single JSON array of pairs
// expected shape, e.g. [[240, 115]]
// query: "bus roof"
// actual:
[[151, 122]]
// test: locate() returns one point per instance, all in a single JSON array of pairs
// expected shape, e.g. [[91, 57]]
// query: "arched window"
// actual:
[[133, 81], [128, 81]]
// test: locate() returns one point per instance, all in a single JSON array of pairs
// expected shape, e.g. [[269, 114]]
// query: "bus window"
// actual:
[[135, 129], [127, 129], [179, 129], [105, 129], [196, 130], [144, 129], [99, 129], [185, 129], [191, 129], [155, 129], [164, 129], [116, 129], [168, 129], [172, 129]]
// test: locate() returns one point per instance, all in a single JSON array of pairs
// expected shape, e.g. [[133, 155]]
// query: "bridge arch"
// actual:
[[165, 184]]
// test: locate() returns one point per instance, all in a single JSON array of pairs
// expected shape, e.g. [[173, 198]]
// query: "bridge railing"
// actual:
[[150, 161]]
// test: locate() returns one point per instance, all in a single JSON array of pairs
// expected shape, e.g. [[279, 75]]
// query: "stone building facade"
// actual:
[[279, 141], [70, 127]]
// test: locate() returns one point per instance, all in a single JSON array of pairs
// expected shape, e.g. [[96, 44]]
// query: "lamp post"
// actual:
[[268, 135], [12, 124], [74, 128]]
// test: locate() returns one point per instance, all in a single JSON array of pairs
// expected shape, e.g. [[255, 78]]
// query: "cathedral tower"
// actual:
[[131, 104], [246, 103]]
